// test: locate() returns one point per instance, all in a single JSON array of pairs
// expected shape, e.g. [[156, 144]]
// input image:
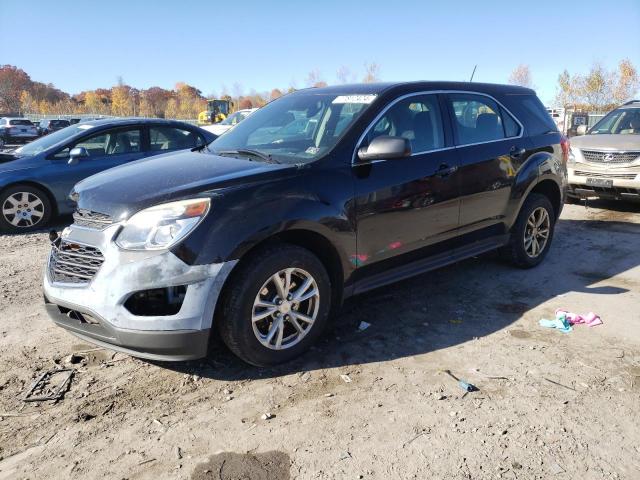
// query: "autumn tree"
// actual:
[[597, 87], [275, 93], [121, 101], [627, 83], [27, 103], [371, 73], [521, 76], [13, 81], [245, 103]]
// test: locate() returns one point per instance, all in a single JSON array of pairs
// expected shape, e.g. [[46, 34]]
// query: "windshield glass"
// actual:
[[50, 140], [230, 119], [295, 128], [622, 121]]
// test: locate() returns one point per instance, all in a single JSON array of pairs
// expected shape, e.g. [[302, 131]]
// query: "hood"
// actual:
[[607, 142], [124, 190]]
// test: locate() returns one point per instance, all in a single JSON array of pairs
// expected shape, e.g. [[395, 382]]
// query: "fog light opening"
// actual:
[[157, 302]]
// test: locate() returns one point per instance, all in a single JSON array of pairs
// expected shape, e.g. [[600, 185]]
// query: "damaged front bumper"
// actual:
[[148, 304]]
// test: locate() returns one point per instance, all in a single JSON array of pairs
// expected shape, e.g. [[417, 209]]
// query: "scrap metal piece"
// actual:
[[42, 384]]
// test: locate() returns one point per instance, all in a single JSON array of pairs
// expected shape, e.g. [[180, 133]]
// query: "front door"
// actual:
[[107, 149], [406, 205]]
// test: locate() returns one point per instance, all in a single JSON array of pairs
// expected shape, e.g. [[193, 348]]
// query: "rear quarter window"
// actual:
[[536, 118]]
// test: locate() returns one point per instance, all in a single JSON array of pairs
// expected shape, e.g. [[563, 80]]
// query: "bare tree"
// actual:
[[521, 76], [314, 78], [371, 72], [343, 74]]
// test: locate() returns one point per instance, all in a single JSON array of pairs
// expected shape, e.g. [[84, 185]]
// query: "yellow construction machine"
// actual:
[[217, 110]]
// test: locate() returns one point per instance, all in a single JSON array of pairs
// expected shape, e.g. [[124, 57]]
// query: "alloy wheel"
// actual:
[[285, 308], [23, 209], [536, 233]]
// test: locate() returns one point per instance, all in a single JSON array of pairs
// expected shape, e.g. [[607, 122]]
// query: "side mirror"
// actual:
[[581, 130], [385, 148], [76, 154]]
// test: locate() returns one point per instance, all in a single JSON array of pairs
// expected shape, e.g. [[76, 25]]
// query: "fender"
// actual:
[[241, 219], [539, 167]]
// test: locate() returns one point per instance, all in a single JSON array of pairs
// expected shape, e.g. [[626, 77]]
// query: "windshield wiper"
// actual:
[[246, 151]]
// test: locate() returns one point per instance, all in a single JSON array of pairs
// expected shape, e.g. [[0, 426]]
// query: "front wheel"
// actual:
[[532, 233], [277, 305], [24, 208]]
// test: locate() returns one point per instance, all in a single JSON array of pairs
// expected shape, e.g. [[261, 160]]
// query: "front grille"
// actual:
[[89, 219], [617, 158], [72, 262], [621, 176]]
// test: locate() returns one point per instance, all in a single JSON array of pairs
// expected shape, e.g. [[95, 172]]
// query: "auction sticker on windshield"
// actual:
[[354, 99]]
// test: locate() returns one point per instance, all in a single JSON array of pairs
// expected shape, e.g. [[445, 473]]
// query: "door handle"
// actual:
[[516, 152], [445, 170]]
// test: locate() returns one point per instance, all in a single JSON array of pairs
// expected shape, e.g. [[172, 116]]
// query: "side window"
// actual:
[[173, 138], [112, 142], [477, 118], [415, 118], [511, 128]]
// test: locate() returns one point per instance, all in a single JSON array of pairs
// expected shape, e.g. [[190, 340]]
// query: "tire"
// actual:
[[253, 282], [24, 208], [519, 252]]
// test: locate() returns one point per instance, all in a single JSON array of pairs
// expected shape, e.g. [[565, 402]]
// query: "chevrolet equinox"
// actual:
[[319, 195]]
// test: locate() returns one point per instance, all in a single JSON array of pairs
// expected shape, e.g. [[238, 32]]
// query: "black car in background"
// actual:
[[322, 194], [47, 126]]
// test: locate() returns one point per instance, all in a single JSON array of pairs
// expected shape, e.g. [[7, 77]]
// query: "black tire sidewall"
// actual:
[[6, 227], [517, 250], [235, 325]]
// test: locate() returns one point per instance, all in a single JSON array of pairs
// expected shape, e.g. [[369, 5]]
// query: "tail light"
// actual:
[[565, 144]]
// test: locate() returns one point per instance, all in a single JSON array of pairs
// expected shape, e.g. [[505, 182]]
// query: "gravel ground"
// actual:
[[549, 405]]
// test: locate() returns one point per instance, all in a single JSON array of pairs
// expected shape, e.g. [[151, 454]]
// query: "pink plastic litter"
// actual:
[[590, 319]]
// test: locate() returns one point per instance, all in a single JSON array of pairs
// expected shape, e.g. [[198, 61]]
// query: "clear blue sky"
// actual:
[[80, 45]]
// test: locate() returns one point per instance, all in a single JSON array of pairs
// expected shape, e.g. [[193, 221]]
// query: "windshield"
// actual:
[[295, 128], [50, 140], [622, 121], [232, 119]]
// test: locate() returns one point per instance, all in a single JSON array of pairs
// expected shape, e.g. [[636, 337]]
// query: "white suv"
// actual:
[[605, 161]]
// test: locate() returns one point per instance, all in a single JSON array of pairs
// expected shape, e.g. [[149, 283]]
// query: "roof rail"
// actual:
[[631, 101]]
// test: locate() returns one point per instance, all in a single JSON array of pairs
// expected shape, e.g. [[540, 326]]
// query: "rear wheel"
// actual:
[[277, 305], [24, 208], [532, 233]]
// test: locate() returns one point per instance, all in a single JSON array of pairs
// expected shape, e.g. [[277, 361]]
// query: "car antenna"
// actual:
[[473, 73]]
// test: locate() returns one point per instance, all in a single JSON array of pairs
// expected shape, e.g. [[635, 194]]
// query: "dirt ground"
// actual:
[[372, 404]]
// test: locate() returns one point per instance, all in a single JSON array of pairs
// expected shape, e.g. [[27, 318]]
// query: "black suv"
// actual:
[[321, 194], [47, 126]]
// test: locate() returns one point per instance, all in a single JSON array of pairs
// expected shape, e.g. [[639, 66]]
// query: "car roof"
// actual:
[[13, 118], [379, 88], [134, 120]]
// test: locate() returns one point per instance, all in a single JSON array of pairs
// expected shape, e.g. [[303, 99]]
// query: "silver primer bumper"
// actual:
[[173, 337]]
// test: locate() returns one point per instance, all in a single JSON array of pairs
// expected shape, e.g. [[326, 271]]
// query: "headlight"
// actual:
[[162, 226]]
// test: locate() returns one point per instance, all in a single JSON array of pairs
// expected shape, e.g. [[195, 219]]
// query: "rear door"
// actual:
[[167, 138], [490, 149], [107, 149], [407, 204]]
